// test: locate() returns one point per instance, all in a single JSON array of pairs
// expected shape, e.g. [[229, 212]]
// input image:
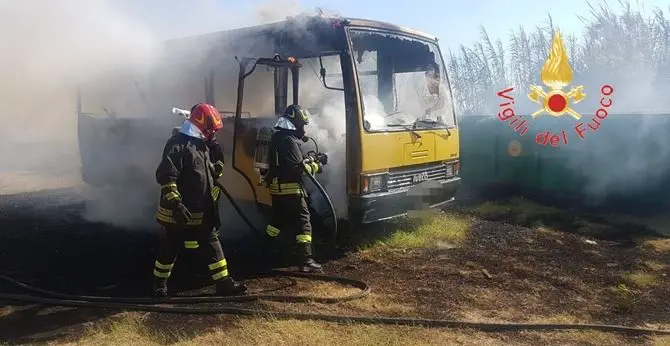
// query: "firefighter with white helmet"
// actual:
[[290, 212]]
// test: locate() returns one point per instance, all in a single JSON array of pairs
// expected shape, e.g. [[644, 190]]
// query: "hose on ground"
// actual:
[[486, 327], [362, 286], [147, 304]]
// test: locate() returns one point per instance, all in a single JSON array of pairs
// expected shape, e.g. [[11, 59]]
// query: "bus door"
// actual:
[[262, 95]]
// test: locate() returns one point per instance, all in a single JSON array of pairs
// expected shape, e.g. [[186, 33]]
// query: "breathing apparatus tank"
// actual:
[[261, 156]]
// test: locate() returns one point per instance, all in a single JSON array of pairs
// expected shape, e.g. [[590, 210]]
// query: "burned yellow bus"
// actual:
[[379, 96]]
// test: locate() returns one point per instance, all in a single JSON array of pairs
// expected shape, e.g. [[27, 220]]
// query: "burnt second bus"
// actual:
[[379, 96]]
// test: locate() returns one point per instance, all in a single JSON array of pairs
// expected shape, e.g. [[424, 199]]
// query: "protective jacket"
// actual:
[[287, 164], [216, 156], [187, 175]]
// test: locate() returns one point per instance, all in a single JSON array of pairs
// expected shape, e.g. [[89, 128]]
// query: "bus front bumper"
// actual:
[[387, 205]]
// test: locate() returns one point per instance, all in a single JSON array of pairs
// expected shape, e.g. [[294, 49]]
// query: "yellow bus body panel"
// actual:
[[383, 151]]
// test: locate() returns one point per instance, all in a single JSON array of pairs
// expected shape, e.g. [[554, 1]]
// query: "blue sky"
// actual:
[[453, 22]]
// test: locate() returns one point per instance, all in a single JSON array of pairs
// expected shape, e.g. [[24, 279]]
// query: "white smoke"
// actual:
[[132, 203], [52, 47], [329, 131], [57, 46], [276, 10], [49, 47]]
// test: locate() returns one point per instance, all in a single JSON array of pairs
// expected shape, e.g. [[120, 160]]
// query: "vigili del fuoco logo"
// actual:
[[556, 101]]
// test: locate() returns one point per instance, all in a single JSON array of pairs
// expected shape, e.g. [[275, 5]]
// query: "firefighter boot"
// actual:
[[309, 265], [229, 287], [159, 289]]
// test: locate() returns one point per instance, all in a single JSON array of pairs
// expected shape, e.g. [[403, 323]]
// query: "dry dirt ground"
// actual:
[[505, 261]]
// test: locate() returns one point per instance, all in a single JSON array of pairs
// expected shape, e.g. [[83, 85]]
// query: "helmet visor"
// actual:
[[285, 123], [303, 116]]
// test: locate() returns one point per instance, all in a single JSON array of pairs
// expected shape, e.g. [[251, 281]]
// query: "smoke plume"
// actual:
[[328, 129], [277, 10], [49, 47], [58, 46], [131, 203]]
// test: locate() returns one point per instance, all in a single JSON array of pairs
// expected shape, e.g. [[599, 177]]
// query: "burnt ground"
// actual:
[[510, 268]]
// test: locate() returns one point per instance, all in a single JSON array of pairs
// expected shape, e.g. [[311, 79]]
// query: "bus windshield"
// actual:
[[402, 81]]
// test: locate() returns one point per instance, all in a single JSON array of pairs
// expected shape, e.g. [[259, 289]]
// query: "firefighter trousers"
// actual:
[[204, 240], [290, 215]]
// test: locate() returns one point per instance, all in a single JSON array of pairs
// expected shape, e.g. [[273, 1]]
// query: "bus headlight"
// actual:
[[373, 183], [452, 168]]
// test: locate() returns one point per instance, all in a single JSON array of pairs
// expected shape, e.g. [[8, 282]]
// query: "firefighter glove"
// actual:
[[311, 166], [322, 158], [218, 169], [181, 214]]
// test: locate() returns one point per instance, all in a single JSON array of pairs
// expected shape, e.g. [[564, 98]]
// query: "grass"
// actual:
[[420, 231], [432, 231], [428, 231], [624, 297], [548, 231], [522, 211], [627, 292], [656, 223], [641, 279], [416, 231], [525, 212], [654, 266], [516, 205], [132, 329], [126, 329], [660, 245], [380, 304], [6, 311]]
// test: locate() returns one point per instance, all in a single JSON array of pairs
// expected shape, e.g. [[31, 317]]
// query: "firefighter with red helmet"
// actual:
[[290, 212], [188, 211]]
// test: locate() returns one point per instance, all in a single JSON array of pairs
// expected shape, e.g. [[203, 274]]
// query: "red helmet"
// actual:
[[206, 118]]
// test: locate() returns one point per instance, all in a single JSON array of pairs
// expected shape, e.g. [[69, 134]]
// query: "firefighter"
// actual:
[[290, 213], [188, 209]]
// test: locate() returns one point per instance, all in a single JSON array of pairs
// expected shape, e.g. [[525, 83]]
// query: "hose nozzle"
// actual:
[[178, 111]]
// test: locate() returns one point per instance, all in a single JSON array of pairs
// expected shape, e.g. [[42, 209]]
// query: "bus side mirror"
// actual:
[[323, 77]]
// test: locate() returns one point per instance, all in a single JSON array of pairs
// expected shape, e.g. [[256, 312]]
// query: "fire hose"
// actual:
[[140, 304], [46, 297]]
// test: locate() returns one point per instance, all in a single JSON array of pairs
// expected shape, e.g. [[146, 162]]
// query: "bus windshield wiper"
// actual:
[[431, 122], [407, 127], [426, 121]]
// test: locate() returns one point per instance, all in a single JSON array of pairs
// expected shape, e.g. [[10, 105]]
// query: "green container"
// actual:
[[627, 160], [478, 139]]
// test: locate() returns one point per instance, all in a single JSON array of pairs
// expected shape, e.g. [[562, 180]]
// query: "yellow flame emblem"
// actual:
[[556, 74]]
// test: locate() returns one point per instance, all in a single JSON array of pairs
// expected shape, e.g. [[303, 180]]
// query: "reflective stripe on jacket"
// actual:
[[186, 175], [286, 164]]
